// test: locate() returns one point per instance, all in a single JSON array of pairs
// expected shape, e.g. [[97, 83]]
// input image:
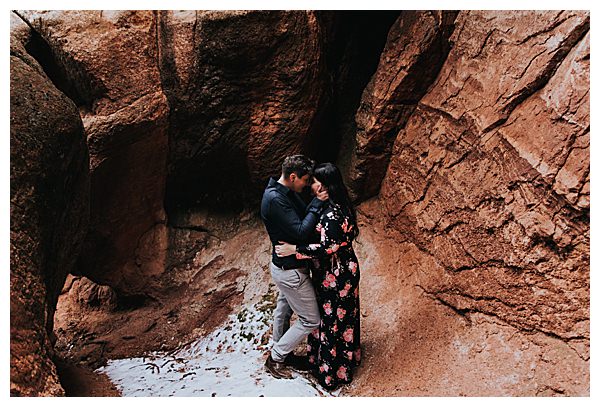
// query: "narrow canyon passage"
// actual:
[[141, 142]]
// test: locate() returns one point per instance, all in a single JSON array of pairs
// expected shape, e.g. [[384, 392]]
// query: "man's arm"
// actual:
[[285, 216], [316, 206], [332, 238]]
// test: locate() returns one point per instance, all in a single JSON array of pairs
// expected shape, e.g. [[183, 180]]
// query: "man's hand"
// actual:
[[322, 195], [285, 249]]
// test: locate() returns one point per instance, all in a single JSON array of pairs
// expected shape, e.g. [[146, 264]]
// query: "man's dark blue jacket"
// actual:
[[288, 219]]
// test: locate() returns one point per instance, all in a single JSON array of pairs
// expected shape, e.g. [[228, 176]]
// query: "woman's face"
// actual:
[[316, 186]]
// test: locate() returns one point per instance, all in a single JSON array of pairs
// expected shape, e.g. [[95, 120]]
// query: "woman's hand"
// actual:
[[285, 249]]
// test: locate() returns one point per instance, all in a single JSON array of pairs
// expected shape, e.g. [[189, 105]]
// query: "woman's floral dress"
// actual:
[[334, 348]]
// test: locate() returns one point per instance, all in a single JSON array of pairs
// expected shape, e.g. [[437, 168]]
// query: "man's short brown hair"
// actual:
[[300, 164]]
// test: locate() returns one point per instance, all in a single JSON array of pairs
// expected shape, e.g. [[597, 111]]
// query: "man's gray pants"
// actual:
[[296, 294]]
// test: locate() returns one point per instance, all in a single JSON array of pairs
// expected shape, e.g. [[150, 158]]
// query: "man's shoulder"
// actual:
[[271, 194]]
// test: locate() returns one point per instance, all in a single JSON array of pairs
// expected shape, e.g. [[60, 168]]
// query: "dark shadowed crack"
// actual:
[[496, 263], [485, 41], [67, 74], [558, 21], [461, 312], [420, 198], [370, 161], [447, 229]]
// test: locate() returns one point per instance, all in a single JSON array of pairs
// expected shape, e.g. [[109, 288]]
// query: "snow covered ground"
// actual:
[[228, 362]]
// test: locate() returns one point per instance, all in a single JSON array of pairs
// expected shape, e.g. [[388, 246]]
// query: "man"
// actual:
[[288, 219]]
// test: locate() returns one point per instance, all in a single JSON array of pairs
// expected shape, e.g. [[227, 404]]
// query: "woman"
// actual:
[[333, 348]]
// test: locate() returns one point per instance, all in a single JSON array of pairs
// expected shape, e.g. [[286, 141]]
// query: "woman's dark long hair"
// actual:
[[329, 175]]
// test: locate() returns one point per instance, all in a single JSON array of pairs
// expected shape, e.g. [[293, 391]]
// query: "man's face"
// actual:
[[299, 183]]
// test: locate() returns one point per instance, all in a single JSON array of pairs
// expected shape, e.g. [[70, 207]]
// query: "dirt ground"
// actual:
[[413, 344], [213, 286], [99, 335]]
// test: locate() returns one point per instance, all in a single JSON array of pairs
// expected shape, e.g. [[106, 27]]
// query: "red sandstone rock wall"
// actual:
[[244, 88], [490, 174], [416, 48], [109, 61], [180, 109], [49, 198]]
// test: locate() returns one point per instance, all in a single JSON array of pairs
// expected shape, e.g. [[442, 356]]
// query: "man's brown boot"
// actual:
[[277, 369]]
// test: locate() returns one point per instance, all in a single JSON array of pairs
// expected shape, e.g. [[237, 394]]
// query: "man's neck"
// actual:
[[285, 182]]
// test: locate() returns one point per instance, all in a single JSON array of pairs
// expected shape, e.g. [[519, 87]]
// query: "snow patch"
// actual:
[[228, 362]]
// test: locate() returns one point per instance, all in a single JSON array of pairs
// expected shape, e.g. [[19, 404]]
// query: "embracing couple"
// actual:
[[316, 271]]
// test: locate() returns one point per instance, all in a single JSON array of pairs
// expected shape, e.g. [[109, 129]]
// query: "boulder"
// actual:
[[109, 62], [49, 207]]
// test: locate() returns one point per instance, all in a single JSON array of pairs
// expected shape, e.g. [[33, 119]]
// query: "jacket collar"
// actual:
[[279, 187]]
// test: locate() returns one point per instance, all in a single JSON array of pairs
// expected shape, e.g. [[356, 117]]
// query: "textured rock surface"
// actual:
[[417, 47], [49, 205], [415, 345], [242, 86], [109, 62], [490, 175]]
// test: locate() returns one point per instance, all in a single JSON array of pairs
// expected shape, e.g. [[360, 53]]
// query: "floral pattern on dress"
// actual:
[[334, 348]]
